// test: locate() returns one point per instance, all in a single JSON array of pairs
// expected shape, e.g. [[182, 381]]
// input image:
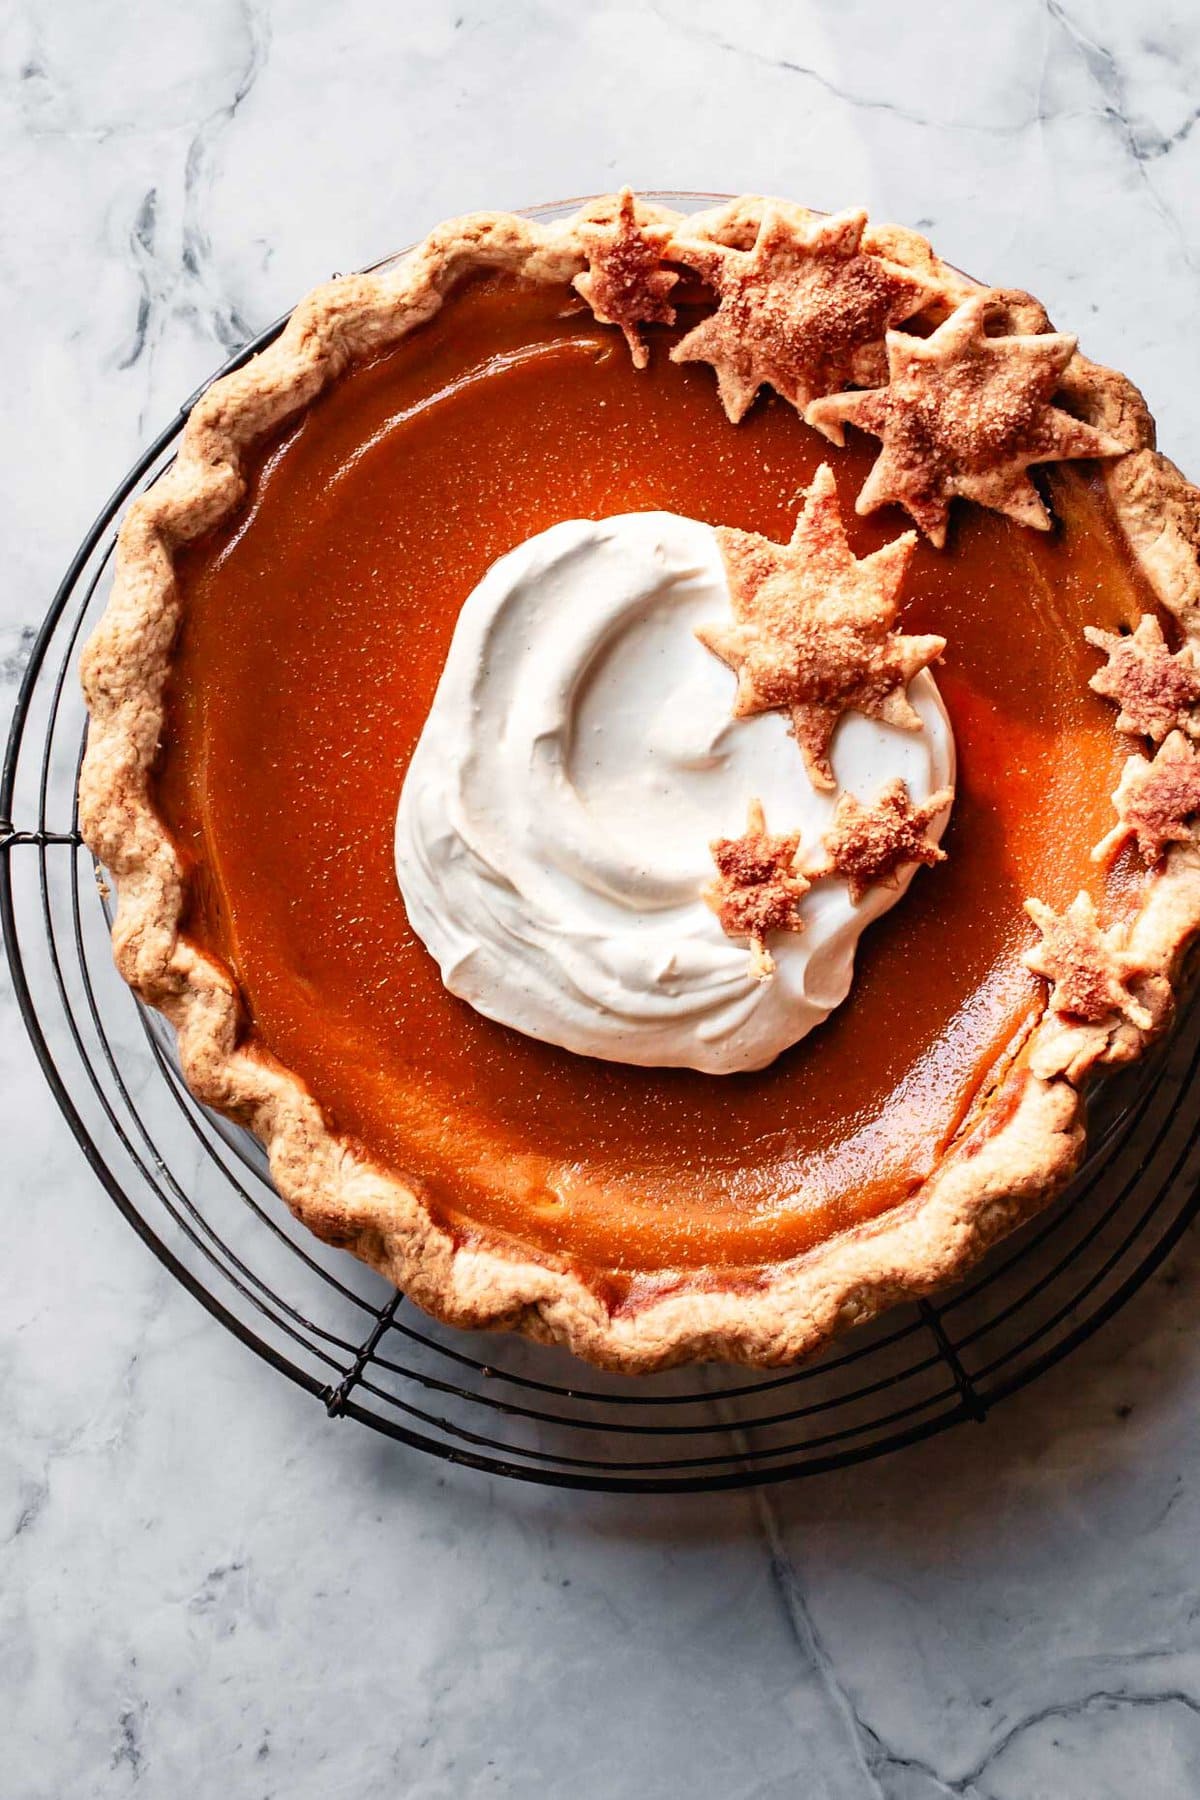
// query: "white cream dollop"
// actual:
[[580, 755]]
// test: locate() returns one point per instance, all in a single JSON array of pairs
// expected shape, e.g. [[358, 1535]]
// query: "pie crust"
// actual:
[[1023, 1138]]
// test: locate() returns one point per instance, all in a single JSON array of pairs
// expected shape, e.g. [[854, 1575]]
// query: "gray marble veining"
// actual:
[[208, 1589]]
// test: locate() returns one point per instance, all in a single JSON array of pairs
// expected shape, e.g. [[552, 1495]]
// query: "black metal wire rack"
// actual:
[[196, 1189]]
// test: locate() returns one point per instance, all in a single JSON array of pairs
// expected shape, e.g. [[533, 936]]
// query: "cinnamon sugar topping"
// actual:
[[1155, 689], [964, 413], [1087, 968], [804, 309], [757, 888], [1154, 801], [871, 846], [625, 282], [812, 633]]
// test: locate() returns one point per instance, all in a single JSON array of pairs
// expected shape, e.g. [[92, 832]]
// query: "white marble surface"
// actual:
[[208, 1589]]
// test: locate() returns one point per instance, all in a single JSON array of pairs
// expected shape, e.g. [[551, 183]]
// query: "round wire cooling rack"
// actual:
[[197, 1190]]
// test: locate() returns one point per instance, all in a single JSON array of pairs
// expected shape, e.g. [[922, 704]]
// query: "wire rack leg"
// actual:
[[973, 1404], [335, 1397]]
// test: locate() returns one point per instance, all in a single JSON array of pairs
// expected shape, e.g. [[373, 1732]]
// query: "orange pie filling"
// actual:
[[311, 648]]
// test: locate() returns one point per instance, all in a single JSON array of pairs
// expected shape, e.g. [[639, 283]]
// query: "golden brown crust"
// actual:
[[1018, 1149]]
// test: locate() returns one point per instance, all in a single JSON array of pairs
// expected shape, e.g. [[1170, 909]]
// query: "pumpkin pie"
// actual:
[[652, 759]]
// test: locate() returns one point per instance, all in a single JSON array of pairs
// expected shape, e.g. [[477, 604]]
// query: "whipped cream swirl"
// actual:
[[554, 825]]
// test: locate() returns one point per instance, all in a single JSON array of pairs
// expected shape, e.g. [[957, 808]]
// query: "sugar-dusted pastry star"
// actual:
[[1087, 968], [757, 888], [1154, 800], [1156, 689], [625, 282], [871, 846], [804, 309], [964, 413], [812, 627]]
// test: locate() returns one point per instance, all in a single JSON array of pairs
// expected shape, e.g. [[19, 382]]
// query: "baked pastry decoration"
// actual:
[[1105, 998], [1155, 688], [1086, 967], [965, 413], [804, 309], [447, 921], [870, 845], [813, 632], [1154, 800], [758, 887], [625, 282]]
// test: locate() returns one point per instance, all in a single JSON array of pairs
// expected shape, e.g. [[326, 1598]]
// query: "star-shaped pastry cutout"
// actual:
[[1086, 967], [1155, 689], [812, 633], [805, 309], [871, 846], [625, 282], [1154, 801], [757, 888], [964, 413]]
